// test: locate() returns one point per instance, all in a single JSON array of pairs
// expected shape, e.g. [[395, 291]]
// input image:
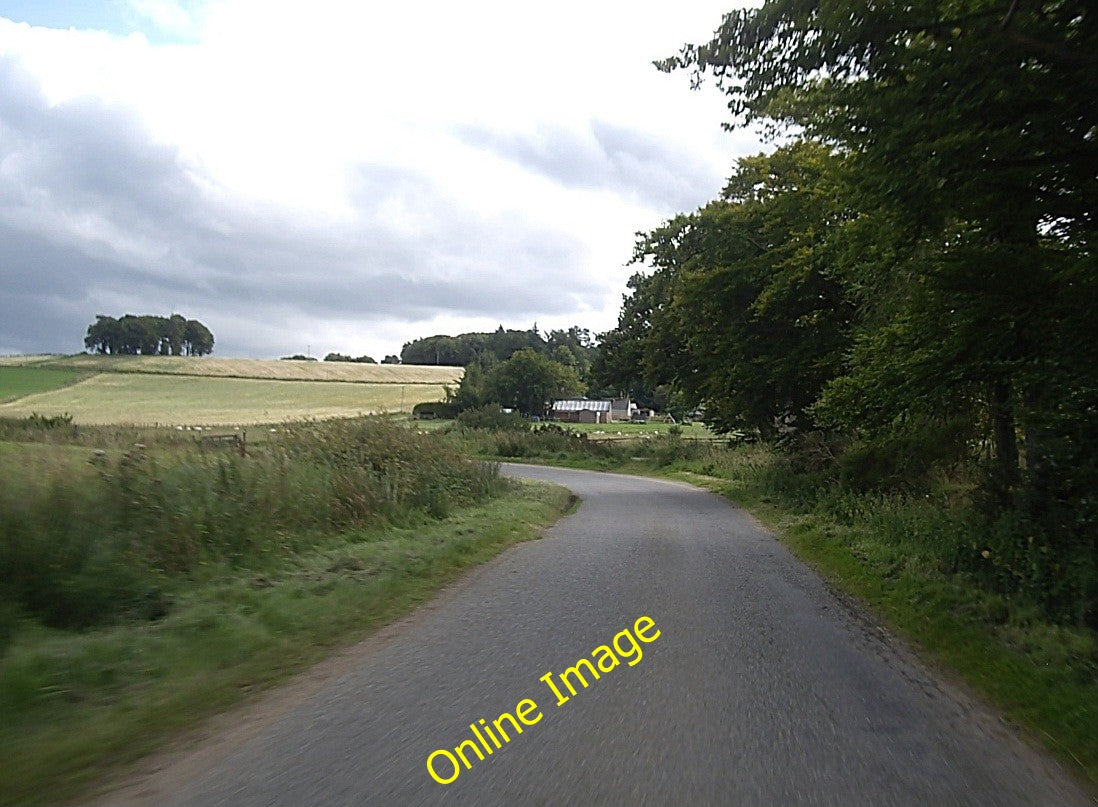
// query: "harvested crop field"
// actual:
[[271, 369], [23, 361], [129, 398]]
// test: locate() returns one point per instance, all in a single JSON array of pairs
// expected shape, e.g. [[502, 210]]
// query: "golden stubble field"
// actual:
[[23, 361], [178, 391], [272, 369], [130, 398]]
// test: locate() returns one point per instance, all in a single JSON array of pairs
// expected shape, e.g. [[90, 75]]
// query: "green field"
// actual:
[[17, 382], [130, 398]]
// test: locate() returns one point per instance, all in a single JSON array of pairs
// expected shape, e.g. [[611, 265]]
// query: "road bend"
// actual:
[[761, 687]]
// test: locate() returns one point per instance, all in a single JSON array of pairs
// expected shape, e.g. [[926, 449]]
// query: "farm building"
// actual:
[[621, 409], [581, 410]]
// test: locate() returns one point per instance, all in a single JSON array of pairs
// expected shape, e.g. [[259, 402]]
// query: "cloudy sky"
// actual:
[[341, 176]]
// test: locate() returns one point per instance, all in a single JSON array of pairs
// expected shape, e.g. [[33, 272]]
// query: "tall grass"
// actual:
[[93, 537], [77, 705]]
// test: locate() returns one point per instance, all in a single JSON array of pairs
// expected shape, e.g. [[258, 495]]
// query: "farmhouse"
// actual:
[[581, 410]]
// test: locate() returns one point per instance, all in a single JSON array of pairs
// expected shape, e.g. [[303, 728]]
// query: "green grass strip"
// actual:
[[19, 382], [78, 709]]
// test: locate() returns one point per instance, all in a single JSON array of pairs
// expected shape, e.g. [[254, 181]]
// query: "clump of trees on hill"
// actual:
[[343, 357], [149, 336], [914, 277]]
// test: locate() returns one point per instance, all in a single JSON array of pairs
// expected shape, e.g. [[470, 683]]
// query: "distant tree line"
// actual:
[[148, 336], [390, 359], [342, 357], [573, 347]]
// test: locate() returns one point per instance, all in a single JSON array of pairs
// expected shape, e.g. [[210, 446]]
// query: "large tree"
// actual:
[[741, 312], [529, 381], [198, 340], [104, 335], [499, 345], [968, 138], [971, 126]]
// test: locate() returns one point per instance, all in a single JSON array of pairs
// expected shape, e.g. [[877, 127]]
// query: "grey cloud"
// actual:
[[82, 154], [238, 270], [610, 158]]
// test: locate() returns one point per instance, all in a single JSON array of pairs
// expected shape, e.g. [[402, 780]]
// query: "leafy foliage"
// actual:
[[571, 347], [528, 381], [149, 336], [491, 417], [914, 274], [742, 313]]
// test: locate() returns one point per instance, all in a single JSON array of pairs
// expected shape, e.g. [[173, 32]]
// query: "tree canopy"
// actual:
[[149, 336], [571, 346], [915, 262], [529, 381]]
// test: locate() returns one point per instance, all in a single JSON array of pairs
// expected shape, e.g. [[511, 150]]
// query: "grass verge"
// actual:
[[78, 707]]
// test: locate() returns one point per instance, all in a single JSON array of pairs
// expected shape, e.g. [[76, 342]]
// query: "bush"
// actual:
[[435, 410], [37, 421], [491, 417], [671, 448], [902, 459], [550, 441], [1037, 556]]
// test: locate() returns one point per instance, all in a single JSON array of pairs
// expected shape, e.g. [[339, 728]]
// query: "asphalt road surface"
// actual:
[[761, 687]]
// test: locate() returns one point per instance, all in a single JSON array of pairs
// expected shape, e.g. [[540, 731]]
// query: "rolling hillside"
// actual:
[[161, 390]]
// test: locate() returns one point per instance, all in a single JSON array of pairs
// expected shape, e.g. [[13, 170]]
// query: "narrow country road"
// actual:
[[761, 688]]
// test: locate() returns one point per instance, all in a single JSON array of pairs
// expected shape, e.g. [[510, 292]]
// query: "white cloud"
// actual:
[[338, 162]]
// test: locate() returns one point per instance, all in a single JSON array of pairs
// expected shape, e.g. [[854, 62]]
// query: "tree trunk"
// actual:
[[1004, 439]]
